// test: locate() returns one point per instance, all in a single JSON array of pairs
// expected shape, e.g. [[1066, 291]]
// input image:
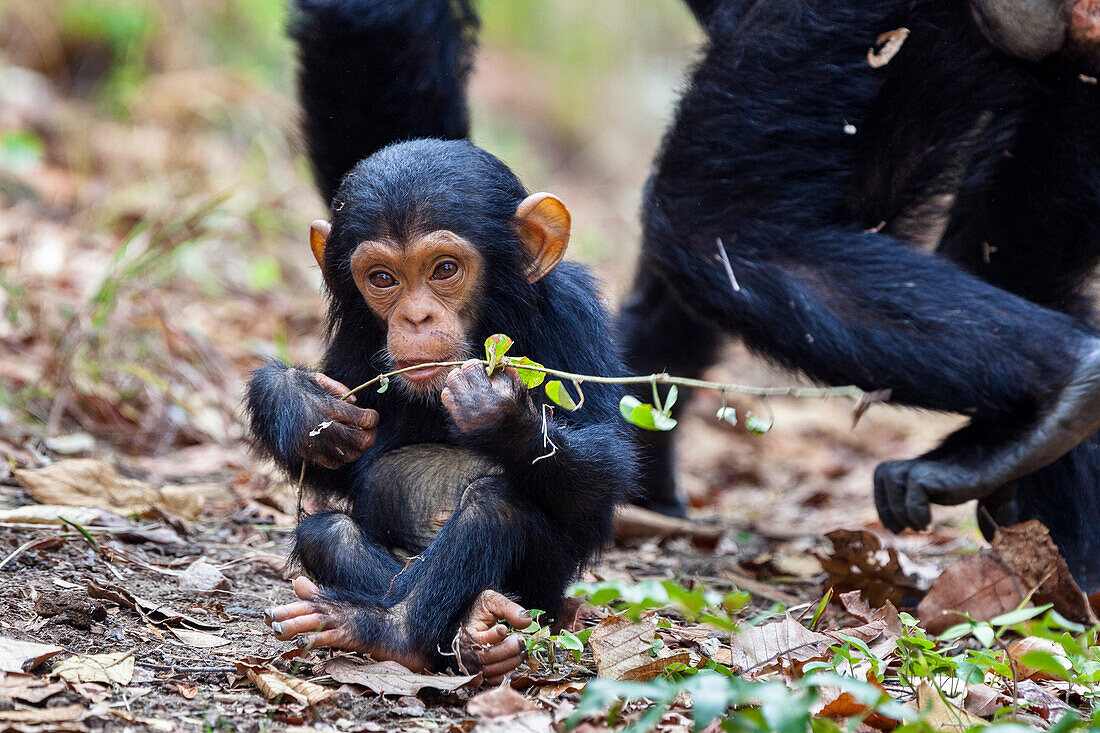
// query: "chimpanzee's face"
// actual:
[[425, 291]]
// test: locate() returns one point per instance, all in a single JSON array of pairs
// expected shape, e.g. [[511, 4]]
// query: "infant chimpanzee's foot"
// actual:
[[484, 643]]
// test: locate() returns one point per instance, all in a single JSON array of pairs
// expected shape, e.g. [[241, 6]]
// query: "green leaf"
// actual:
[[383, 384], [529, 377], [557, 393], [496, 346], [758, 425], [727, 414], [984, 634], [957, 631], [1045, 662], [670, 398], [644, 415], [1018, 616]]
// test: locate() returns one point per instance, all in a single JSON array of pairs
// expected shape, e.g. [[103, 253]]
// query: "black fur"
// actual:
[[822, 226], [525, 528]]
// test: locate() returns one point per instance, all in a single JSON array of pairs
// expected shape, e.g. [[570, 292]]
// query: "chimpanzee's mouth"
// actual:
[[420, 376]]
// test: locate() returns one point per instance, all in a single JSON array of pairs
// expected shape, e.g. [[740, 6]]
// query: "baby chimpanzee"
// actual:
[[441, 505]]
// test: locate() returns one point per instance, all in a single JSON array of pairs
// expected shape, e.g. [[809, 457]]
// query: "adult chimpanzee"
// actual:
[[823, 176], [434, 245]]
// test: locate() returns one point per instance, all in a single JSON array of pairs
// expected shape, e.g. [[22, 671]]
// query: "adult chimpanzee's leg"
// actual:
[[660, 334]]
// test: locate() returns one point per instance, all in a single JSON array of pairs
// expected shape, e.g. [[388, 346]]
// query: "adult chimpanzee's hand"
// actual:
[[334, 431], [476, 401]]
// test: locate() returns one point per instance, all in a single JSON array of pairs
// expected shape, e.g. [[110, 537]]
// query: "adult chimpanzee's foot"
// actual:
[[904, 489], [484, 643]]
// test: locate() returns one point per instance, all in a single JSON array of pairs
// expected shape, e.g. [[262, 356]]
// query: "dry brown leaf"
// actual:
[[390, 678], [186, 690], [1034, 644], [202, 576], [23, 656], [1040, 701], [941, 714], [50, 514], [859, 561], [273, 683], [980, 585], [882, 628], [784, 644], [499, 702], [199, 639], [27, 687], [63, 714], [623, 649], [983, 700], [1032, 556], [87, 482], [887, 46], [156, 612], [116, 668]]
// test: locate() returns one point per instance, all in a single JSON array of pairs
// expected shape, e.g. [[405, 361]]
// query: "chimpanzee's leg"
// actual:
[[660, 334]]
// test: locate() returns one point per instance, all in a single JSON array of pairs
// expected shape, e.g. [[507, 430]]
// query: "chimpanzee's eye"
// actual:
[[382, 279], [445, 270]]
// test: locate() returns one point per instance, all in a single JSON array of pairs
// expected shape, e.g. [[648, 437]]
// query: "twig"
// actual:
[[851, 392], [729, 268], [177, 668]]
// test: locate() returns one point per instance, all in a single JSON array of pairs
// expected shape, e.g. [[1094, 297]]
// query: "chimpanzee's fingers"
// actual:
[[474, 371], [306, 589], [486, 637], [882, 500], [337, 638], [494, 673], [351, 442], [518, 387], [501, 606], [288, 610], [510, 648], [298, 625], [358, 417], [330, 385], [916, 505]]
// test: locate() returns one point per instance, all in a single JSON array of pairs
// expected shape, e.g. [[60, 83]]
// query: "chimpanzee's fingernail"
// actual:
[[269, 614], [276, 627], [304, 643]]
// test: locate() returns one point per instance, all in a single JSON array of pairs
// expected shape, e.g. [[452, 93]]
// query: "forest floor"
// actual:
[[146, 262]]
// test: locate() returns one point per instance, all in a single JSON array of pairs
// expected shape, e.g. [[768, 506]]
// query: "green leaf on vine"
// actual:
[[644, 415], [529, 377], [383, 384], [758, 425], [557, 393], [670, 398], [496, 346]]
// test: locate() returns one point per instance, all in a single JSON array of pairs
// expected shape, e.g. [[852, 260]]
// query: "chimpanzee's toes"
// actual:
[[891, 485]]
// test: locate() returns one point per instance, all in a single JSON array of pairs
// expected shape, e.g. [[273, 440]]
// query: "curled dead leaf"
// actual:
[[1018, 649], [887, 46], [23, 656], [116, 668], [390, 678], [273, 683]]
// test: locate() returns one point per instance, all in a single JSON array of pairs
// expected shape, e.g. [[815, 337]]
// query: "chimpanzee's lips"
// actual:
[[420, 376]]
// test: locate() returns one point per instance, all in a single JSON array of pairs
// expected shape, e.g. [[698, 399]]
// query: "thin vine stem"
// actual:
[[851, 392]]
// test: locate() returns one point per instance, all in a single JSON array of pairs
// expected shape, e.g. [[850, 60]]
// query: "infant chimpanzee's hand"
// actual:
[[335, 432], [476, 401]]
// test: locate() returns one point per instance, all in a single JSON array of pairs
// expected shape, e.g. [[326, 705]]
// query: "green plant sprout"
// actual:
[[648, 416], [546, 648]]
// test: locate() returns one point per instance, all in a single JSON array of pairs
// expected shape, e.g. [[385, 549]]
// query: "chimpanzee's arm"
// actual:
[[297, 420]]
